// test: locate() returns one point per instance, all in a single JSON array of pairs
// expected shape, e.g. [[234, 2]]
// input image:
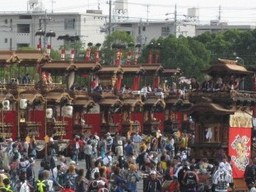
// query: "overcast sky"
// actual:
[[232, 11]]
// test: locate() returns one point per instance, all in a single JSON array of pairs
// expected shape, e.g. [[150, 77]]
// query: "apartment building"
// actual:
[[144, 32], [216, 26], [20, 29]]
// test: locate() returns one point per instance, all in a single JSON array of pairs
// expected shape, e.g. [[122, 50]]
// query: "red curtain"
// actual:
[[11, 118], [138, 116], [117, 120], [118, 83], [156, 82], [94, 119], [136, 83], [160, 117], [69, 128], [239, 149], [39, 117]]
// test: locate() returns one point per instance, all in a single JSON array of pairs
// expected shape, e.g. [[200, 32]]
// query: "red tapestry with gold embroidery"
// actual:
[[240, 133]]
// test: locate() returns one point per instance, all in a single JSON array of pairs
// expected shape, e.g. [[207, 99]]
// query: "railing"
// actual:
[[32, 128], [5, 130], [59, 126]]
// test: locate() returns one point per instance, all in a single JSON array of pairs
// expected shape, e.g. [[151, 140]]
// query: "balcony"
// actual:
[[228, 97]]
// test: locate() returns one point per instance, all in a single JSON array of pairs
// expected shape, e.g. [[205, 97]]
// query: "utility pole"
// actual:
[[175, 20], [44, 20], [110, 17], [52, 4], [147, 12], [219, 16], [139, 32]]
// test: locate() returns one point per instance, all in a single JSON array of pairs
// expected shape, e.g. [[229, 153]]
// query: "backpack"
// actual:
[[132, 178], [15, 155], [190, 179], [70, 180], [23, 167], [169, 147]]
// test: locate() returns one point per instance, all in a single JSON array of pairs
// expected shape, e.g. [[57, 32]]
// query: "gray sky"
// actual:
[[232, 11]]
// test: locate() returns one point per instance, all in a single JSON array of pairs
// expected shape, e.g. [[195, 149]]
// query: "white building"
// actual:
[[18, 29], [217, 26], [144, 32]]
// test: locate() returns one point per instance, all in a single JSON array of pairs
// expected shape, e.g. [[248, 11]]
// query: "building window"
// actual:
[[23, 28], [6, 40], [25, 17], [143, 28], [165, 31], [69, 24], [125, 25], [6, 21]]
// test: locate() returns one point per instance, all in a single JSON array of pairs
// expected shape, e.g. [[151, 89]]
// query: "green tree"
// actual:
[[231, 44], [189, 55], [117, 39], [55, 55]]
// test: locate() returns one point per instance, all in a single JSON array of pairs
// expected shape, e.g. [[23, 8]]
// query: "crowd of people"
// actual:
[[113, 163]]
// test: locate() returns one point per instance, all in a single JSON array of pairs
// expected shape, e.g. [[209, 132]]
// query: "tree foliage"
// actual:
[[231, 44], [118, 38], [192, 55], [185, 53]]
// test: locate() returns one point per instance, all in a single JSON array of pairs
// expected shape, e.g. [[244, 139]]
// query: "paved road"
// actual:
[[81, 164]]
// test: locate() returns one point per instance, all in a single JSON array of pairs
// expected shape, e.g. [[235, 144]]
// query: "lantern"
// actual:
[[67, 111], [49, 113], [23, 103], [6, 105]]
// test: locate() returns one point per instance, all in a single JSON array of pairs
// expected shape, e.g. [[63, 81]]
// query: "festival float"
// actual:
[[43, 97], [222, 112], [126, 98]]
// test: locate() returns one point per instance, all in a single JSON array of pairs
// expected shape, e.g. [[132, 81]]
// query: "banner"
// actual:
[[240, 134], [239, 149]]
